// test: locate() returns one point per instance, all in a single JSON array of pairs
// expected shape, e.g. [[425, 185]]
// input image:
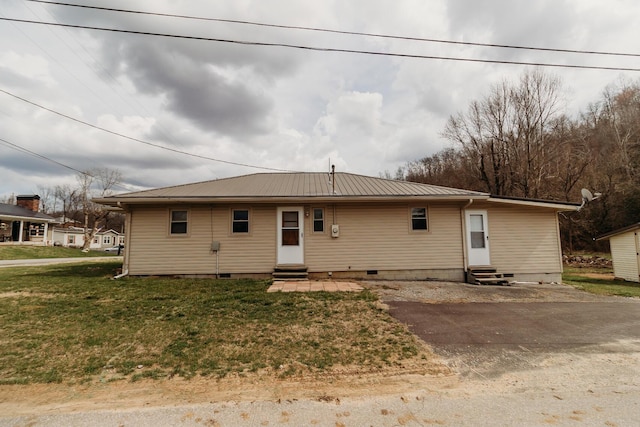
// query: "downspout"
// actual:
[[125, 260], [465, 255]]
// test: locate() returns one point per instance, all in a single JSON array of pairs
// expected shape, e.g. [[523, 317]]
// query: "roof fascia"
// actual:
[[26, 218], [121, 201], [559, 206], [619, 231]]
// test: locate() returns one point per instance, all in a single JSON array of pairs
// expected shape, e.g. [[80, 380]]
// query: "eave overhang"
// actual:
[[623, 230], [26, 218], [122, 202], [549, 204]]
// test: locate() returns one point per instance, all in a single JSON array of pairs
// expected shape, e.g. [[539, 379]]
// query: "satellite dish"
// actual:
[[586, 195]]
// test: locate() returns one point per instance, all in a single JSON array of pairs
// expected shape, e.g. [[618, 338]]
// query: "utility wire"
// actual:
[[93, 68], [354, 33], [324, 49], [33, 153], [140, 140]]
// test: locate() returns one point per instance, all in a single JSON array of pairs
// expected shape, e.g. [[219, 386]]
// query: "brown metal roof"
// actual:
[[300, 185]]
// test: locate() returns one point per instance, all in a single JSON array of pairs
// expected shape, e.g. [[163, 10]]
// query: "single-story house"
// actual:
[[74, 237], [338, 225], [625, 251], [23, 224]]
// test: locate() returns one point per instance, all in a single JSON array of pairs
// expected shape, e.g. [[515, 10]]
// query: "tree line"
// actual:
[[519, 141]]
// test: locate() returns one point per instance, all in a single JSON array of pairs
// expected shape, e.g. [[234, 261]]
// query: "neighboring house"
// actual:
[[625, 251], [23, 224], [341, 225], [74, 237]]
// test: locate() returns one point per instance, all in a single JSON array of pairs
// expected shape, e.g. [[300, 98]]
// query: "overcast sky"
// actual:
[[273, 107]]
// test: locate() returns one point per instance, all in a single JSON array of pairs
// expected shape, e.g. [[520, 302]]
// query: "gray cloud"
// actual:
[[195, 91]]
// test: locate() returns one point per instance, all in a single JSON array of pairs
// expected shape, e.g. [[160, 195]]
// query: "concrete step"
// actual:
[[290, 272]]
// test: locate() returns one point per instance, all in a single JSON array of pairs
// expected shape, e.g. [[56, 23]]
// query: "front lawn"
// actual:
[[73, 323], [39, 252], [597, 282]]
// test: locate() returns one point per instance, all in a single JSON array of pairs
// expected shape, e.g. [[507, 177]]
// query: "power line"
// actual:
[[355, 33], [325, 49], [93, 68], [33, 153], [21, 149], [140, 140]]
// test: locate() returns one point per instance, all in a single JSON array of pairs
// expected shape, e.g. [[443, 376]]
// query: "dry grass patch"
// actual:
[[72, 323], [600, 282]]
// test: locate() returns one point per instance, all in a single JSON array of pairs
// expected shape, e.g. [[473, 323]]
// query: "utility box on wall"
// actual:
[[335, 230]]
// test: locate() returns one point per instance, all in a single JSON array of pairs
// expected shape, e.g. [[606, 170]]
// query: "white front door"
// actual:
[[477, 237], [290, 235]]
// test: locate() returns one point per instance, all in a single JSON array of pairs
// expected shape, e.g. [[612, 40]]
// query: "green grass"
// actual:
[[579, 279], [38, 252], [73, 323]]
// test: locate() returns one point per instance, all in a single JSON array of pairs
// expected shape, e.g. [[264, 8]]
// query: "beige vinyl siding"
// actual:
[[625, 260], [152, 250], [524, 240], [379, 237]]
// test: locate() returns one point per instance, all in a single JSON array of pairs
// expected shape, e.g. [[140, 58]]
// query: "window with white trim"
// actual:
[[240, 221], [419, 219], [179, 221]]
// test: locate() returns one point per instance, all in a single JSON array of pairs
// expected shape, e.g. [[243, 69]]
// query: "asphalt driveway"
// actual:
[[487, 339]]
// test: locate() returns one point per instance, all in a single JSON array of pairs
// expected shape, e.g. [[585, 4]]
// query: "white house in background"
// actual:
[[23, 224], [73, 237], [625, 251]]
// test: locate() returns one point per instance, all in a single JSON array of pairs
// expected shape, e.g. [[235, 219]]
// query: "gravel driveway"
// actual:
[[437, 292]]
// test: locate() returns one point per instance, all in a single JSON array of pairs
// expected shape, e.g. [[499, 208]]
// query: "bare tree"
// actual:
[[9, 200], [505, 136], [69, 199], [47, 199], [97, 182]]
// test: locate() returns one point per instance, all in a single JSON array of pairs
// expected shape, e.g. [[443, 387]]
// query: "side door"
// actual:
[[477, 237]]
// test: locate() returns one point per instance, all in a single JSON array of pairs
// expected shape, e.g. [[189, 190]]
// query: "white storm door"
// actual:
[[291, 235], [477, 237]]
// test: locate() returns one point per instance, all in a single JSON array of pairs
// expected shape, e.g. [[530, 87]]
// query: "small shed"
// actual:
[[625, 250]]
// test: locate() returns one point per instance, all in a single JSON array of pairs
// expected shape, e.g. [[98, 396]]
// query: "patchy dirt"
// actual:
[[603, 276], [19, 294], [16, 400]]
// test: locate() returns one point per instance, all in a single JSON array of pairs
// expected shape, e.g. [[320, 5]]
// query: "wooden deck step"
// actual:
[[487, 275]]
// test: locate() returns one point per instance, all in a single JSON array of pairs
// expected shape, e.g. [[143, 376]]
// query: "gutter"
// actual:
[[291, 199]]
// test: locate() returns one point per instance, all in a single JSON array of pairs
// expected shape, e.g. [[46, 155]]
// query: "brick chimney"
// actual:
[[31, 202]]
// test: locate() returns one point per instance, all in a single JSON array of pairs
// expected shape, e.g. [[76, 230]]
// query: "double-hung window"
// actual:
[[240, 221], [419, 219], [318, 220], [179, 221]]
